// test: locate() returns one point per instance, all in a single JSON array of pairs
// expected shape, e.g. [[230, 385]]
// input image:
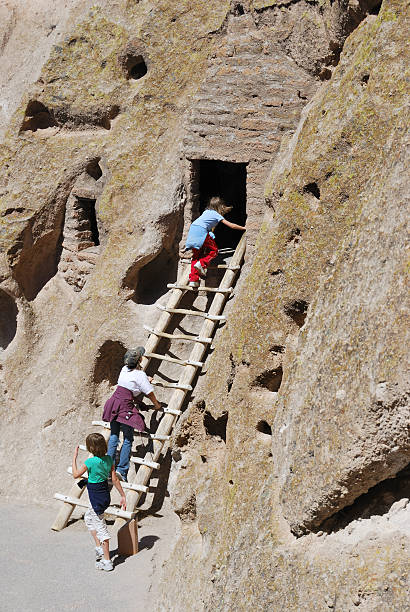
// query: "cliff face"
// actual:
[[307, 383], [302, 411]]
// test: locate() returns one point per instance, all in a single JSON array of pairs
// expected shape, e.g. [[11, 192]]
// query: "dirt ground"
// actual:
[[43, 570]]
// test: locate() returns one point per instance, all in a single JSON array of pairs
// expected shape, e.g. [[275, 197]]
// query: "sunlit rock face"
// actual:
[[289, 467]]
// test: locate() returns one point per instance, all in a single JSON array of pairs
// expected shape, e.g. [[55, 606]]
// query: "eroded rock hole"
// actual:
[[277, 348], [8, 319], [264, 427], [365, 79], [297, 311], [228, 181], [216, 427], [135, 67], [109, 362], [238, 9], [37, 117], [377, 501], [294, 236], [231, 377], [154, 277], [270, 379], [312, 188], [93, 169]]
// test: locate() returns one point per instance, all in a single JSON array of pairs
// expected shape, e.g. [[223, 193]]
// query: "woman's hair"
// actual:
[[96, 444], [133, 356], [217, 203]]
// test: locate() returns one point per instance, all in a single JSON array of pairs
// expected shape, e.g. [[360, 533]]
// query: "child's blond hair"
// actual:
[[216, 203]]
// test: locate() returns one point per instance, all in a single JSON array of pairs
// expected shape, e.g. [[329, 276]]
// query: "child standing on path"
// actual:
[[99, 468], [201, 240]]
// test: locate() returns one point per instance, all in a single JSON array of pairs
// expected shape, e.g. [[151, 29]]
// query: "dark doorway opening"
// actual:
[[228, 181], [87, 221]]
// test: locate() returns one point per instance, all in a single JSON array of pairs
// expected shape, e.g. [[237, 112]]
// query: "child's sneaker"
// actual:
[[200, 269], [121, 478], [105, 565], [99, 553], [194, 284]]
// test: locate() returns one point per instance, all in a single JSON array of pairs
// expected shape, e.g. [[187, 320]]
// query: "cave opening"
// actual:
[[154, 277], [297, 311], [86, 222], [37, 117], [8, 319], [228, 181], [270, 379], [264, 427], [93, 169], [216, 427], [135, 67], [312, 188]]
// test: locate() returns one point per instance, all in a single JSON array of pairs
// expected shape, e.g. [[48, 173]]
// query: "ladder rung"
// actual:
[[141, 461], [172, 411], [134, 487], [110, 510], [155, 436], [140, 433], [183, 362], [165, 358], [104, 424], [194, 313], [160, 383], [177, 336], [224, 267], [209, 289]]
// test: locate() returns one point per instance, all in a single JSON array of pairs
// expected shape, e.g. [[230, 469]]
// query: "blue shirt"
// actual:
[[201, 227]]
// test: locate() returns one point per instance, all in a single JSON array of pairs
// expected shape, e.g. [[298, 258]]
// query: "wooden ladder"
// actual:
[[201, 342]]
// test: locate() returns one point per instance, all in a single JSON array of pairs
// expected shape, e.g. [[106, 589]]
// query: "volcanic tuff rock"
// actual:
[[309, 377], [303, 407]]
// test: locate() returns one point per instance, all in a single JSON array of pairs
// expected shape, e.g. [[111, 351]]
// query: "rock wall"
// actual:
[[296, 497]]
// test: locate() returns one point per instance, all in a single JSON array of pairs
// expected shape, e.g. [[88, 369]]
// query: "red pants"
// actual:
[[204, 255]]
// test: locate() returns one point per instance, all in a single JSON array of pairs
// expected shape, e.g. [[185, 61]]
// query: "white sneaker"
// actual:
[[120, 477], [194, 284], [104, 565], [99, 553], [200, 269]]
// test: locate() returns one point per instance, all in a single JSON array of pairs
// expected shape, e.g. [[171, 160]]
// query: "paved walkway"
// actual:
[[42, 570]]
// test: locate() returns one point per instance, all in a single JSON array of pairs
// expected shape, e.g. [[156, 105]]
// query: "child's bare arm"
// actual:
[[77, 472], [233, 225], [117, 485]]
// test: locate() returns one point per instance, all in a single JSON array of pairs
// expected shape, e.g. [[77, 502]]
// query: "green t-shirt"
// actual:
[[99, 468]]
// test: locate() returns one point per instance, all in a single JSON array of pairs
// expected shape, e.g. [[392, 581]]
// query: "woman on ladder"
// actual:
[[120, 409]]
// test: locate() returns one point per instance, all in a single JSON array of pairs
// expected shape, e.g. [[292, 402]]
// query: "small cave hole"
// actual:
[[294, 236], [37, 117], [8, 319], [264, 427], [93, 169], [312, 188], [365, 79], [238, 9], [109, 362], [277, 348], [216, 427], [230, 482], [270, 379], [297, 311], [135, 67], [203, 459]]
